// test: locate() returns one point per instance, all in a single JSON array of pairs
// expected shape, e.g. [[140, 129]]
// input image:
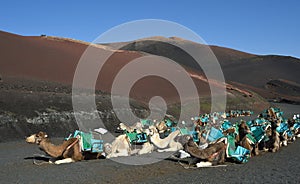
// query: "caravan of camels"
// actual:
[[210, 140]]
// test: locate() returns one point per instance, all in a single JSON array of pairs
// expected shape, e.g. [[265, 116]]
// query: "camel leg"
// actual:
[[119, 154], [284, 143], [167, 150], [255, 150], [64, 161], [174, 146], [52, 160], [147, 148], [204, 164], [135, 151], [276, 147]]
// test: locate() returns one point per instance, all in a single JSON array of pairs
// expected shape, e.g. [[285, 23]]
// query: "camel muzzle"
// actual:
[[30, 139]]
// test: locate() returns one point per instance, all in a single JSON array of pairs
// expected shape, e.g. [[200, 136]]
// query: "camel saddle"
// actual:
[[88, 142]]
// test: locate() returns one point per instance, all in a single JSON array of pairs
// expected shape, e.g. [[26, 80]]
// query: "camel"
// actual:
[[200, 124], [138, 127], [121, 147], [248, 141], [162, 144], [245, 141], [297, 132], [273, 144], [212, 155], [275, 141], [67, 152], [296, 126]]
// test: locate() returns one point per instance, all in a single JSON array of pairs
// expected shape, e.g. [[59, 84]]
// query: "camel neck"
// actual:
[[51, 149]]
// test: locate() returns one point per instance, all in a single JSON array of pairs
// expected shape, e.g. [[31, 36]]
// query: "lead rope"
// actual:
[[36, 162], [186, 167]]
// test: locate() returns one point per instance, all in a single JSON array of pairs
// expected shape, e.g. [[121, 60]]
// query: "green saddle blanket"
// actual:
[[88, 142], [137, 137]]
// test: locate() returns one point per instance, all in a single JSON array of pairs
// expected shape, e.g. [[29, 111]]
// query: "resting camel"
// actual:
[[138, 127], [244, 141], [121, 147], [213, 154], [67, 152], [166, 144]]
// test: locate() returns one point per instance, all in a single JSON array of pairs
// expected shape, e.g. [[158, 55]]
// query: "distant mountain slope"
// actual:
[[54, 59], [252, 71], [167, 47]]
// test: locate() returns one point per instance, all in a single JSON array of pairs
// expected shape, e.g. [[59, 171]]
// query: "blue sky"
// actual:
[[255, 26]]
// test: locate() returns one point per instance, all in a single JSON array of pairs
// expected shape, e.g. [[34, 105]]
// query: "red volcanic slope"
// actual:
[[55, 59]]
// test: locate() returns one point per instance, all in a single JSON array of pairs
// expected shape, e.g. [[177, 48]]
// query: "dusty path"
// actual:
[[17, 167]]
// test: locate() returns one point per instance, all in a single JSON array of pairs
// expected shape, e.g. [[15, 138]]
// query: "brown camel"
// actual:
[[213, 153], [67, 152], [273, 144], [244, 141], [161, 126]]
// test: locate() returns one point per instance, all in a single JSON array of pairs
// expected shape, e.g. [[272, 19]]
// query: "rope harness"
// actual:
[[70, 146]]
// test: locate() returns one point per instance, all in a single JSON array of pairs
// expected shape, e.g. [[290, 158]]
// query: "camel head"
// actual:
[[243, 126], [161, 126], [36, 138], [200, 123], [268, 131], [191, 142], [122, 126], [151, 130], [278, 122]]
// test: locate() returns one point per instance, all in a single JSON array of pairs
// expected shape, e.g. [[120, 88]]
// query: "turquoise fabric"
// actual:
[[173, 129], [146, 122], [251, 138], [296, 125], [137, 137], [214, 134], [258, 133], [259, 121], [226, 125], [97, 145], [184, 131], [169, 123], [195, 136], [241, 154], [282, 127], [230, 145], [290, 133], [204, 119], [88, 142]]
